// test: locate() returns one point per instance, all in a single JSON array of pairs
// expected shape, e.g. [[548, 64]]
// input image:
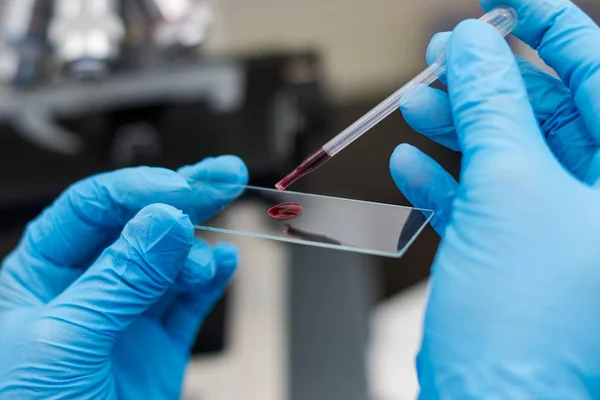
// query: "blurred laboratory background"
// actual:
[[88, 86]]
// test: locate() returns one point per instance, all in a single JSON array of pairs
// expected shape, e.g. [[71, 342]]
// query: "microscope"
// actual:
[[109, 78], [87, 39]]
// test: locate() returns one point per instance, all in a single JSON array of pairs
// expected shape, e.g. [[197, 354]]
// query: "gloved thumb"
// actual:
[[130, 276]]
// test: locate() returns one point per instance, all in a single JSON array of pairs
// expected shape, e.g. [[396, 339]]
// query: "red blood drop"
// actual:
[[285, 211]]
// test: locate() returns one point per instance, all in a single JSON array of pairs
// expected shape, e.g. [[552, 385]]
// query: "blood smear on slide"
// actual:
[[285, 211]]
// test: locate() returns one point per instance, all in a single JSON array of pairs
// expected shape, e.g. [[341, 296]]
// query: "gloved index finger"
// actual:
[[435, 49], [79, 224], [215, 183], [567, 40], [93, 211]]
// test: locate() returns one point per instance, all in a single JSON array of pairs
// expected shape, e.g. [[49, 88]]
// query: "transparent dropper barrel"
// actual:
[[504, 19]]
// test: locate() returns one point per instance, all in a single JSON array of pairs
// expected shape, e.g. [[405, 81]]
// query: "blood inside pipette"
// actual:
[[314, 161], [285, 211]]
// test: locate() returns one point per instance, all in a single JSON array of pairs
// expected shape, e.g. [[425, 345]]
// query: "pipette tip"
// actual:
[[289, 179], [314, 161], [279, 186]]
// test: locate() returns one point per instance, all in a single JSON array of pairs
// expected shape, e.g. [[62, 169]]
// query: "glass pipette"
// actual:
[[504, 19]]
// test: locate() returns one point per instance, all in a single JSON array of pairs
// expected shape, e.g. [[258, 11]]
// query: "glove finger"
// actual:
[[129, 277], [424, 183], [564, 129], [199, 269], [567, 40], [89, 214], [436, 46], [216, 182], [429, 112], [496, 127], [192, 307]]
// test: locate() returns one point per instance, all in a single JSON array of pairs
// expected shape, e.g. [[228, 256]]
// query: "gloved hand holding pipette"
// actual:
[[514, 307]]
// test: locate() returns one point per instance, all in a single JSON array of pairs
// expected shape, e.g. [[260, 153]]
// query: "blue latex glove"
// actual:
[[514, 307], [80, 320]]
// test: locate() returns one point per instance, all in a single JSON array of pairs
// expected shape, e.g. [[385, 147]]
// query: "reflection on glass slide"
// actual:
[[315, 220]]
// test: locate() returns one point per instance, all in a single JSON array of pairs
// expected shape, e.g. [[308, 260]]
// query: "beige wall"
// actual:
[[368, 45]]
